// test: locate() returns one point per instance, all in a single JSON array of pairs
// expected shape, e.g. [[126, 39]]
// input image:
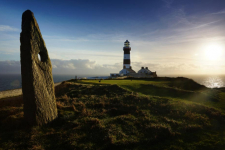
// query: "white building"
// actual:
[[126, 71], [144, 70]]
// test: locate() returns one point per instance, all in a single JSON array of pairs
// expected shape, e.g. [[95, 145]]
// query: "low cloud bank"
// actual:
[[73, 66], [88, 67], [10, 67]]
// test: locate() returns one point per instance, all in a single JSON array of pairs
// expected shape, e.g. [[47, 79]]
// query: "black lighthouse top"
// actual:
[[126, 43], [126, 47]]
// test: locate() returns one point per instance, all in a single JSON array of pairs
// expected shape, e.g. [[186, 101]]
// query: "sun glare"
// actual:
[[213, 51]]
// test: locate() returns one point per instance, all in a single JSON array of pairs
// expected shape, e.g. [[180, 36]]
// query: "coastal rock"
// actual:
[[37, 81]]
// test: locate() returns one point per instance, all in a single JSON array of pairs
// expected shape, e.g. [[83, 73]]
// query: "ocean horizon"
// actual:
[[13, 81]]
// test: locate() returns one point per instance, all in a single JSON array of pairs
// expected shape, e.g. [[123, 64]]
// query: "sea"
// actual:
[[13, 81]]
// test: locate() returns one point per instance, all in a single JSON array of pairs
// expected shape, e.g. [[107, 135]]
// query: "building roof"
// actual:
[[130, 70], [127, 71], [144, 70]]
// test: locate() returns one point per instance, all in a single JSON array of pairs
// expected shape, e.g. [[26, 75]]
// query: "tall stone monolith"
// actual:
[[37, 81]]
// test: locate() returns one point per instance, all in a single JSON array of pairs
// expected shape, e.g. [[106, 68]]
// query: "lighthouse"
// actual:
[[126, 56], [127, 69]]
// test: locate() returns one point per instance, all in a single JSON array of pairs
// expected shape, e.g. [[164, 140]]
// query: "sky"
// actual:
[[87, 36]]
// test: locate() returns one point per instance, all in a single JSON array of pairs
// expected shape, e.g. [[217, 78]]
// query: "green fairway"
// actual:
[[174, 89], [132, 85], [125, 82]]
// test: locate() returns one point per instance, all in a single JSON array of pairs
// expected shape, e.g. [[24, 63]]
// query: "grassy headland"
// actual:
[[161, 113]]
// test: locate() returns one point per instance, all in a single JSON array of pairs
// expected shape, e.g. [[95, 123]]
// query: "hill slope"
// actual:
[[129, 115]]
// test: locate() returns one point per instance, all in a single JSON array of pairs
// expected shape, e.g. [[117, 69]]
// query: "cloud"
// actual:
[[181, 27], [115, 37], [168, 3], [219, 12], [82, 66], [201, 25], [88, 67], [8, 28], [73, 66], [10, 67]]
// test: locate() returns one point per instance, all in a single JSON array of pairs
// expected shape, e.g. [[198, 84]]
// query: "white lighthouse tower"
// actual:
[[126, 58], [127, 69]]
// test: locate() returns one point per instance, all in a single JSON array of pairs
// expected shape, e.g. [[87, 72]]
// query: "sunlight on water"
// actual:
[[213, 82], [210, 81]]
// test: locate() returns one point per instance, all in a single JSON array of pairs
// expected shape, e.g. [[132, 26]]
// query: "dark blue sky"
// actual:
[[77, 18], [159, 30], [82, 17]]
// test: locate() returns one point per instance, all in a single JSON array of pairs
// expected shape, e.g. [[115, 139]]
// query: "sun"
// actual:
[[213, 51]]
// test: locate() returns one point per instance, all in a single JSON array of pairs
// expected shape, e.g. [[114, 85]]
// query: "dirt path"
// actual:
[[14, 92]]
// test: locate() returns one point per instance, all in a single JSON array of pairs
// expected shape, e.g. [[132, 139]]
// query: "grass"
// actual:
[[122, 114], [182, 89]]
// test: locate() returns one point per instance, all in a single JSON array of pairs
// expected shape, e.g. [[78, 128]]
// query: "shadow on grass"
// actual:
[[201, 97]]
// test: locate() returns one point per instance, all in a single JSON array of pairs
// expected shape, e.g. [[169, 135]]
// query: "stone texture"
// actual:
[[37, 81]]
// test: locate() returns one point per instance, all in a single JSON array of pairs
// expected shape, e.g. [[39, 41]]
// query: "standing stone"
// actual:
[[37, 81]]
